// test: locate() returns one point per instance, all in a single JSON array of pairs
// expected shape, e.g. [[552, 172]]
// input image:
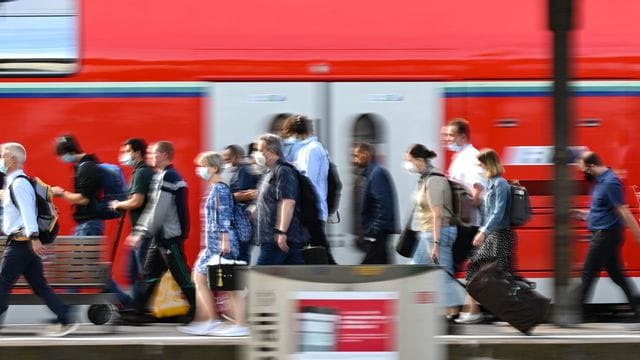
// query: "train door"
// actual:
[[392, 116], [240, 112]]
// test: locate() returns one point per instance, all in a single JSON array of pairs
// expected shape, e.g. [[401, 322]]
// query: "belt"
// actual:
[[17, 237]]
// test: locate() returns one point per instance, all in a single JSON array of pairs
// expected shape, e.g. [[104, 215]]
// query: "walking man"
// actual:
[[379, 210], [606, 217], [24, 249]]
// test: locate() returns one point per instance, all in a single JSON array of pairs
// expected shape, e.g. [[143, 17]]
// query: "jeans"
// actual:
[[136, 260], [20, 260], [270, 254], [423, 256], [95, 227], [244, 251]]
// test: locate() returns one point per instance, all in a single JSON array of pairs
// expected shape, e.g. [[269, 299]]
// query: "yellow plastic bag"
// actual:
[[167, 299]]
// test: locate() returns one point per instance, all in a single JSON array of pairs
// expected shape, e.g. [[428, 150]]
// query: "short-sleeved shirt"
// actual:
[[281, 182], [607, 195], [88, 182], [464, 168], [140, 184], [242, 179], [433, 190]]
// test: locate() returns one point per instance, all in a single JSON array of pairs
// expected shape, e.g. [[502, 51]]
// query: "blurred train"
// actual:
[[205, 74]]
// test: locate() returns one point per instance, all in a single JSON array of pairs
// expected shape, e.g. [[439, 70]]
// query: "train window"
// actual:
[[38, 37]]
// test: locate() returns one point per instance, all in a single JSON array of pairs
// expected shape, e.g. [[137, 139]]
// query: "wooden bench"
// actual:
[[75, 269]]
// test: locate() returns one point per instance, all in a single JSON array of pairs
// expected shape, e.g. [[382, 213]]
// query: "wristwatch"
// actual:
[[34, 236], [278, 231]]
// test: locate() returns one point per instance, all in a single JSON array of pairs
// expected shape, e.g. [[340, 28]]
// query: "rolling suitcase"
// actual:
[[511, 299]]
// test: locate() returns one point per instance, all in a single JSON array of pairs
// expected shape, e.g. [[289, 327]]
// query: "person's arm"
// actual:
[[629, 220], [497, 212], [26, 202], [287, 190], [382, 190], [73, 198], [133, 202], [245, 196]]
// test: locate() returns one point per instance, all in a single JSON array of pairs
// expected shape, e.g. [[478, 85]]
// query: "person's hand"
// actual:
[[479, 238], [38, 248], [57, 191], [281, 239], [114, 205], [226, 246], [579, 214], [133, 241], [435, 253]]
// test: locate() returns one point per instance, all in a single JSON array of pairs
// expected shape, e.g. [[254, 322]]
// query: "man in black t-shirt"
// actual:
[[134, 152]]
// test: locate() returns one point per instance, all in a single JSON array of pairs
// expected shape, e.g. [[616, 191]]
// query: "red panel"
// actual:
[[101, 125]]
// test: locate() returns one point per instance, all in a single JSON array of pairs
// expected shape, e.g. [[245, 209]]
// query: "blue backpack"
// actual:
[[114, 187]]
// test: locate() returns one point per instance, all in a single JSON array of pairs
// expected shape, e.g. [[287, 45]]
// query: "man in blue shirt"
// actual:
[[379, 209], [605, 219]]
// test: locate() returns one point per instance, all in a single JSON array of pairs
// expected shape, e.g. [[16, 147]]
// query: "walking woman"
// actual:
[[220, 240], [495, 240], [432, 220]]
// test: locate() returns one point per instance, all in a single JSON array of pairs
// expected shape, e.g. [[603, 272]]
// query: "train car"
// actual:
[[205, 74]]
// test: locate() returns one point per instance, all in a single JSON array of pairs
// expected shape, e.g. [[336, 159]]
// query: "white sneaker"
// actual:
[[230, 331], [468, 318], [199, 327], [59, 330]]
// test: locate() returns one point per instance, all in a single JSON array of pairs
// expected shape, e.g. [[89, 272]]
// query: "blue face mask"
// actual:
[[455, 147], [3, 168], [290, 140], [203, 173], [68, 158]]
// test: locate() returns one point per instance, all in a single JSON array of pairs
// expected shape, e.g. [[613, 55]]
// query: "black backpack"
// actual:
[[47, 216], [462, 202], [307, 202], [334, 189], [520, 212]]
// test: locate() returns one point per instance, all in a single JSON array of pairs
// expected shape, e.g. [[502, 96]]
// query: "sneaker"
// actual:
[[230, 331], [468, 318], [60, 330], [199, 327]]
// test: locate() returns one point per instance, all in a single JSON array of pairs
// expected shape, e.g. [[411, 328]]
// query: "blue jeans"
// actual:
[[95, 227], [270, 254], [423, 256], [244, 251], [136, 260], [20, 260]]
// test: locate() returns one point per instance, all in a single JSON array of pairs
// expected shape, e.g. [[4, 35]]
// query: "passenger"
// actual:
[[220, 240], [379, 210], [607, 215], [165, 220], [133, 155], [465, 169], [22, 255], [279, 229], [243, 187], [432, 220], [495, 240], [312, 160], [87, 184]]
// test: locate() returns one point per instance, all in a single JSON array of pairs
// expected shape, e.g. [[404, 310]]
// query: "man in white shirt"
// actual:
[[24, 249], [465, 168]]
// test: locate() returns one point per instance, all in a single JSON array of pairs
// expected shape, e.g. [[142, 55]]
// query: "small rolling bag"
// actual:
[[511, 299]]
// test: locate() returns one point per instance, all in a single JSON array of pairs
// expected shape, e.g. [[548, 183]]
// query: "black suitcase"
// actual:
[[511, 299]]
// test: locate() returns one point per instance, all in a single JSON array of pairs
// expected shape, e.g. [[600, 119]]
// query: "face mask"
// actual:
[[410, 167], [258, 156], [589, 176], [290, 140], [3, 168], [125, 159], [68, 158], [454, 147], [203, 173], [226, 165]]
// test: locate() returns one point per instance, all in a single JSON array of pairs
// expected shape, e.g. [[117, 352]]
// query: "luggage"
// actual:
[[511, 299]]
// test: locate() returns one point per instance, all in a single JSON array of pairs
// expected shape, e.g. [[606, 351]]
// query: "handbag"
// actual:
[[408, 240], [226, 277], [167, 299]]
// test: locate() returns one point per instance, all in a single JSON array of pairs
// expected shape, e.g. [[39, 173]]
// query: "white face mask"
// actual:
[[203, 173], [125, 159], [226, 165], [258, 156], [3, 168], [455, 147], [410, 167]]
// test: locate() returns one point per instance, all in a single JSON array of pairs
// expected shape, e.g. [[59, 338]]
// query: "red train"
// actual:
[[207, 74]]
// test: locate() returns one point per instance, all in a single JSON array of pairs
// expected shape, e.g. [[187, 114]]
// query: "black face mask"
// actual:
[[589, 176]]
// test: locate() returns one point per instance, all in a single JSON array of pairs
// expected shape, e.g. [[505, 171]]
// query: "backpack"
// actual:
[[462, 202], [334, 188], [47, 216], [240, 220], [307, 201], [114, 187], [520, 212]]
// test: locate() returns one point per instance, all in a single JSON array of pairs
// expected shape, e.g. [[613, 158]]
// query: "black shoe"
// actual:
[[128, 317]]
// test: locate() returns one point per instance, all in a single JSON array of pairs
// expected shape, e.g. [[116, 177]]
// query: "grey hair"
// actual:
[[211, 159], [16, 150], [273, 142]]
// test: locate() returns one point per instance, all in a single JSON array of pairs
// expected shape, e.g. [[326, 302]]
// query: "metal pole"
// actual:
[[560, 22]]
